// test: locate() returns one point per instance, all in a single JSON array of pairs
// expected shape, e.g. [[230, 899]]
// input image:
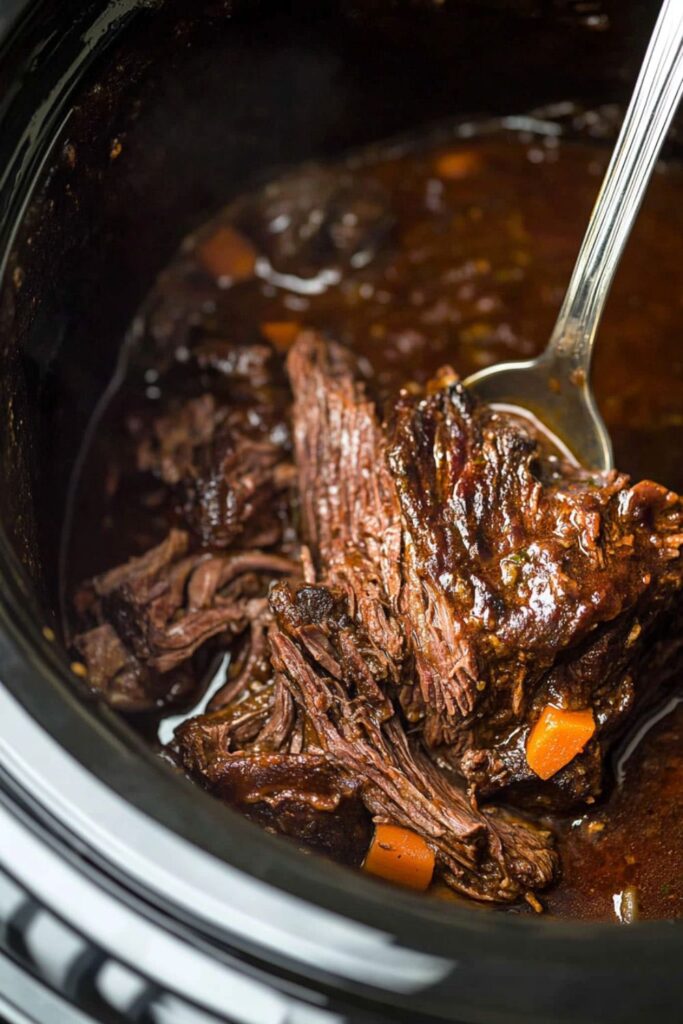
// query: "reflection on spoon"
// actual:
[[539, 428]]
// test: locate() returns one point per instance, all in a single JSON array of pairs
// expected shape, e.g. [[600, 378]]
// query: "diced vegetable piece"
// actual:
[[400, 855], [282, 333], [556, 738], [457, 165], [228, 254]]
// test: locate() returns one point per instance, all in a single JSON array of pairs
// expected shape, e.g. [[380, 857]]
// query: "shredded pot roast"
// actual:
[[439, 629]]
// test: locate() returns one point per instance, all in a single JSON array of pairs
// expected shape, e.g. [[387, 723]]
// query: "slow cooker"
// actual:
[[125, 893]]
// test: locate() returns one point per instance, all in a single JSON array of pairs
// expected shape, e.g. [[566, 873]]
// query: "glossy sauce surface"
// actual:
[[468, 269]]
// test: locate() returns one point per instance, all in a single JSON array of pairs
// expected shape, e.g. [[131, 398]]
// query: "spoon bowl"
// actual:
[[565, 407]]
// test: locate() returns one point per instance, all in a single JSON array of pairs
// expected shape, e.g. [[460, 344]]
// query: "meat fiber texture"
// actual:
[[498, 577], [454, 577]]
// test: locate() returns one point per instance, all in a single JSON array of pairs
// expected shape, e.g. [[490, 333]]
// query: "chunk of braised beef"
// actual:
[[496, 576], [239, 487], [250, 755], [301, 796], [125, 682], [527, 581], [231, 464], [253, 365], [324, 222], [149, 617], [327, 665]]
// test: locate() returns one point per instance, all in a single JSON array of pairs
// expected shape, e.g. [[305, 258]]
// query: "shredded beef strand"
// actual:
[[350, 510], [399, 783], [160, 608]]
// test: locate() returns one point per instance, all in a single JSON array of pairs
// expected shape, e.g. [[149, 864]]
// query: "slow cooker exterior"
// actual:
[[126, 894]]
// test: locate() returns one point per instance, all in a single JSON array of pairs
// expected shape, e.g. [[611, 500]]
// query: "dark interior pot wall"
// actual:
[[186, 104]]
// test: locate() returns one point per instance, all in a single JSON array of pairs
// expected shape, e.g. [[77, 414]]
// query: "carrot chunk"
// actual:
[[457, 165], [282, 333], [228, 254], [556, 738], [400, 855]]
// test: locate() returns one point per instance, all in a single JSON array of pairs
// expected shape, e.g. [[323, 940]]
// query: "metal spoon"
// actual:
[[555, 387]]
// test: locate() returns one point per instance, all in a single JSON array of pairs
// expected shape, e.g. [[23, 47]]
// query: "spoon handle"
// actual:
[[649, 115]]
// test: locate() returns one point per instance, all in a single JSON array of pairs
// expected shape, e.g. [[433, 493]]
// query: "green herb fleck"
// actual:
[[519, 556]]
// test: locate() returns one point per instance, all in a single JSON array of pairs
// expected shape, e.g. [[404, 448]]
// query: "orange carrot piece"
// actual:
[[401, 856], [228, 254], [282, 333], [556, 738], [457, 165]]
